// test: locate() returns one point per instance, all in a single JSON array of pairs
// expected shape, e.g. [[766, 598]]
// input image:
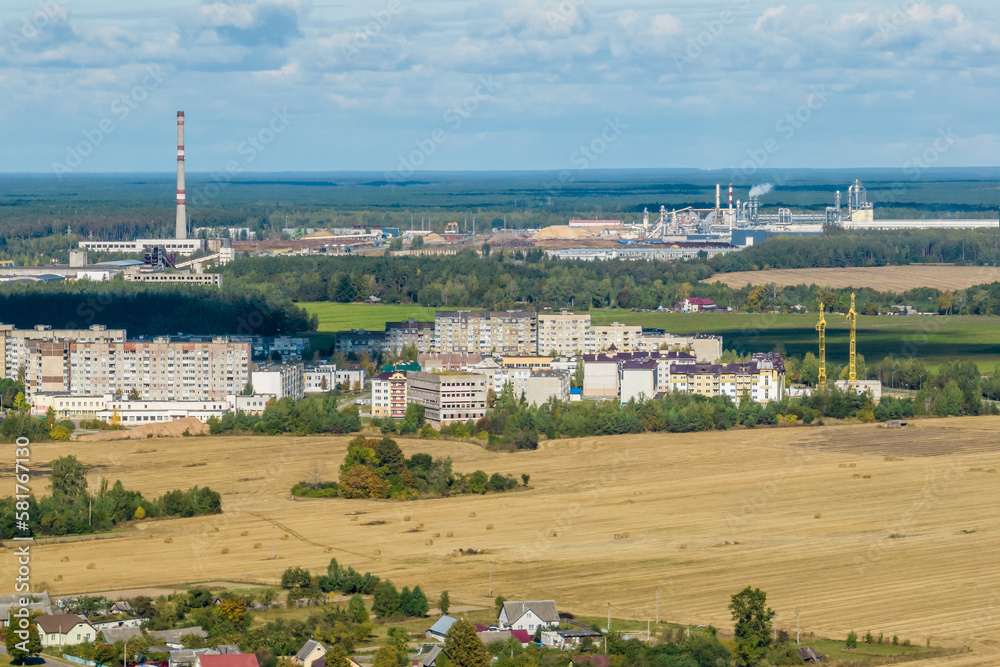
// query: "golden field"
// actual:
[[804, 513], [881, 278]]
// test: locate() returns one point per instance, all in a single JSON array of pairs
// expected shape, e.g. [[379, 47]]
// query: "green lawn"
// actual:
[[934, 339]]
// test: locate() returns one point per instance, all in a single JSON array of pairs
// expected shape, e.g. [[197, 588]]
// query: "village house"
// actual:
[[310, 652], [528, 615], [440, 628], [64, 630]]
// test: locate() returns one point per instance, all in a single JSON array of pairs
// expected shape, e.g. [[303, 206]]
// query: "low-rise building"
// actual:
[[389, 395], [279, 380], [448, 397], [762, 379], [137, 413], [706, 349], [862, 387], [351, 377], [695, 305], [528, 615], [68, 406], [319, 379], [64, 630]]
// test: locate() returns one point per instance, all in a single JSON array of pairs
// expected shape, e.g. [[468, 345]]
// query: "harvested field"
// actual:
[[881, 278], [705, 514], [172, 429]]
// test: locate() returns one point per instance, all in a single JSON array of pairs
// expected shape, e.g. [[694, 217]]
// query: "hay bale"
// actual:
[[683, 546], [866, 477], [451, 534], [58, 577], [429, 543], [472, 515], [215, 529], [843, 465], [853, 465], [818, 515], [285, 536], [64, 559], [489, 526], [553, 534], [258, 545], [378, 552], [406, 518], [169, 540], [437, 534], [354, 518], [149, 536], [91, 566], [328, 550], [225, 550], [420, 525], [244, 533], [857, 475]]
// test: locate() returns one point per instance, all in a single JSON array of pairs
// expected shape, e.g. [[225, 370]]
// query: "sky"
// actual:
[[405, 86]]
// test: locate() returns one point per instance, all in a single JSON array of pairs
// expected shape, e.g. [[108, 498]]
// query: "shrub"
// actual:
[[852, 639]]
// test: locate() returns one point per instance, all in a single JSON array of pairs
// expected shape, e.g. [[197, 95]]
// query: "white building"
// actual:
[[862, 387], [279, 380], [183, 247], [528, 615], [638, 379], [137, 413], [352, 376], [320, 379]]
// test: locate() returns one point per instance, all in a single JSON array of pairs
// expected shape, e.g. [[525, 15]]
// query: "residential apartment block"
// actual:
[[624, 338], [389, 395], [448, 397], [484, 332], [626, 375], [279, 380], [762, 379], [707, 349], [408, 334], [564, 333]]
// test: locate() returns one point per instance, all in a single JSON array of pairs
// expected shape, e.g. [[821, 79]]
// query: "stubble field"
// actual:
[[807, 514], [881, 278]]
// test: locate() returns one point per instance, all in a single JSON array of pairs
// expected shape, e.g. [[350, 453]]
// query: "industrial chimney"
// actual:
[[181, 230]]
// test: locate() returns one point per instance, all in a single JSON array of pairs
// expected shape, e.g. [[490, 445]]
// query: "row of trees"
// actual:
[[306, 416], [72, 510]]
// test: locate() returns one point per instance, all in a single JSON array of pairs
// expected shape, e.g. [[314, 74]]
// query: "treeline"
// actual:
[[148, 309], [72, 510], [387, 601], [306, 416], [378, 469]]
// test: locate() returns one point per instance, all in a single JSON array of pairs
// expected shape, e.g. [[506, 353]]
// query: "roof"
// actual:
[[522, 636], [640, 364], [60, 623], [112, 635], [176, 634], [237, 660], [442, 625], [543, 609], [306, 649], [594, 660], [579, 632], [809, 654], [428, 658], [699, 301], [490, 636], [228, 649], [39, 602]]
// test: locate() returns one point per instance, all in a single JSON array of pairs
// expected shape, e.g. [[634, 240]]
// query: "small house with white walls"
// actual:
[[528, 615]]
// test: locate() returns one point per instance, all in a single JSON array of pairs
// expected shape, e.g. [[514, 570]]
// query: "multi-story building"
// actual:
[[409, 333], [279, 380], [180, 246], [389, 395], [448, 397], [647, 373], [563, 333], [531, 363], [762, 379], [707, 349], [319, 379], [544, 385], [159, 369], [288, 348], [638, 379], [175, 277], [624, 337], [360, 343], [352, 376], [484, 332]]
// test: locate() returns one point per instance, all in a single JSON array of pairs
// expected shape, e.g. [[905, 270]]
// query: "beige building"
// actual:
[[43, 352], [564, 333], [624, 338], [448, 397], [485, 332], [68, 406], [389, 395], [707, 349], [762, 379], [409, 333], [542, 386]]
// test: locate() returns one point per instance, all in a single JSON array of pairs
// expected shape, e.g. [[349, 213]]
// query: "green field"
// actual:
[[933, 339]]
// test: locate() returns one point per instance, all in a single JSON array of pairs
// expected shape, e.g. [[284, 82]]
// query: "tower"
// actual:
[[852, 317], [180, 230], [821, 328]]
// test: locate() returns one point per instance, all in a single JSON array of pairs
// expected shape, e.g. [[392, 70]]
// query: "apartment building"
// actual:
[[542, 386], [564, 333], [707, 349], [448, 397], [360, 342], [319, 379], [160, 369], [389, 395], [279, 380], [628, 374], [638, 379], [409, 333], [762, 379], [484, 332], [618, 336]]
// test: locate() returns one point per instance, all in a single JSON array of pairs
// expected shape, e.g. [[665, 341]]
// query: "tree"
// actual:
[[134, 395], [20, 403], [17, 655], [234, 609], [34, 641], [463, 646], [852, 639], [477, 482], [444, 602], [385, 601], [486, 250], [387, 656], [498, 603], [415, 414], [415, 603], [417, 242], [356, 609], [247, 389], [337, 656], [752, 627], [69, 480]]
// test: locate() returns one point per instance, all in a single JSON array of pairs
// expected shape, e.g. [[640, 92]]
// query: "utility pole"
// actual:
[[796, 625], [491, 578], [609, 617], [657, 605], [272, 542]]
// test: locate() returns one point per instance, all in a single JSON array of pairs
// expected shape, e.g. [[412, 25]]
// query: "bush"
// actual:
[[852, 639]]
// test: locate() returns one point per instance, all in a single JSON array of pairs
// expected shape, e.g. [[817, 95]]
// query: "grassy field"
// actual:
[[335, 317], [697, 516], [933, 339], [881, 278]]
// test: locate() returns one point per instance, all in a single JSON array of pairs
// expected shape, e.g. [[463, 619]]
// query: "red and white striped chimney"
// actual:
[[181, 228], [730, 196]]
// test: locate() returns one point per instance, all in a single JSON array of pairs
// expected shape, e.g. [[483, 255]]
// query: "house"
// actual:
[[122, 634], [590, 661], [491, 636], [64, 630], [567, 639], [228, 649], [36, 602], [122, 607], [189, 657], [231, 660], [172, 638], [429, 659], [134, 622], [440, 628], [695, 305], [809, 654], [310, 652], [528, 615]]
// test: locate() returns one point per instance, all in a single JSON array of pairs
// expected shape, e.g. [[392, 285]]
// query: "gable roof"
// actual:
[[237, 660], [522, 636], [60, 623], [175, 635], [428, 659], [308, 648], [443, 625], [112, 635], [543, 609]]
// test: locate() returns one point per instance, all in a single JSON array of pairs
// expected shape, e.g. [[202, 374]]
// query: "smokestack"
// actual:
[[730, 196], [180, 231], [718, 196]]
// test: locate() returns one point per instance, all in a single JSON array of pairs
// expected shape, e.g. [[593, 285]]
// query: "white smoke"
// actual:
[[761, 190]]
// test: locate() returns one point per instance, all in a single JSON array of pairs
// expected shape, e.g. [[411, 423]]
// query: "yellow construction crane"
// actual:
[[451, 228], [821, 328], [852, 317]]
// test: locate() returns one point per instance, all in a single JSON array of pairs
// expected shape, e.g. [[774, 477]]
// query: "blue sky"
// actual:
[[400, 86]]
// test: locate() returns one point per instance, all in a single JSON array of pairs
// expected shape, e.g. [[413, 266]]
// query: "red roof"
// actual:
[[522, 636], [698, 301], [231, 660]]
